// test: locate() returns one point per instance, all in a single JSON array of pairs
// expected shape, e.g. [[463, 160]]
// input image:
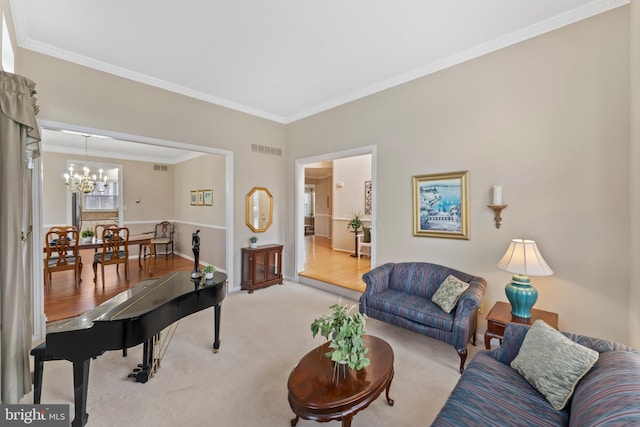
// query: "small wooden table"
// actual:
[[500, 315], [314, 394]]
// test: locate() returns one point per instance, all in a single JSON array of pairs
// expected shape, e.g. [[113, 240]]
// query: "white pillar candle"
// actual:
[[497, 195]]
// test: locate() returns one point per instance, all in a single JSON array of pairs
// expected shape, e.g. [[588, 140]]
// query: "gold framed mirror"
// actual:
[[259, 209]]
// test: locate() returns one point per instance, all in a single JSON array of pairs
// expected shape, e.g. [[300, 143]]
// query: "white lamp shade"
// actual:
[[523, 257]]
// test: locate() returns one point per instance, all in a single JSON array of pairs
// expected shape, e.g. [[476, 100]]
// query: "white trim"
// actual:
[[299, 198], [39, 317], [553, 23], [163, 143], [532, 31]]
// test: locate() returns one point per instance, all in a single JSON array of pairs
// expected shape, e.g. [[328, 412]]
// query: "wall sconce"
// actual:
[[497, 205]]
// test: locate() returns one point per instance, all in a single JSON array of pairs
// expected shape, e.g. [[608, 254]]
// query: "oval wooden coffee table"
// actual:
[[314, 394]]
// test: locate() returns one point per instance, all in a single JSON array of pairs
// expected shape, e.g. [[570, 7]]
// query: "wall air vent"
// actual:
[[266, 150], [161, 168]]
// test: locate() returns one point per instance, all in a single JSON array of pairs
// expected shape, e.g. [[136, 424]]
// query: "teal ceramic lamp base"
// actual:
[[521, 295]]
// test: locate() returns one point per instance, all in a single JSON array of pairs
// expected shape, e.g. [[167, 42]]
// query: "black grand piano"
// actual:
[[132, 317]]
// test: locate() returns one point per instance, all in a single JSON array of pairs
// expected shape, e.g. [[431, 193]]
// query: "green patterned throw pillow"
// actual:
[[449, 292], [552, 363]]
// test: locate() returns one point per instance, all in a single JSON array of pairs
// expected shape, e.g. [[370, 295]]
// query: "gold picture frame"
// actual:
[[200, 197], [193, 197], [441, 205], [208, 197]]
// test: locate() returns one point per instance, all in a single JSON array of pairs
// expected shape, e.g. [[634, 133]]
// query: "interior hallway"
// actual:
[[334, 267]]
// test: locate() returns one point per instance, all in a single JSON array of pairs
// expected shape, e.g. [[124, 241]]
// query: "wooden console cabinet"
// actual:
[[261, 267]]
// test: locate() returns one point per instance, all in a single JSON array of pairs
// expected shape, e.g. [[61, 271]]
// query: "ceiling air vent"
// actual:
[[161, 168], [266, 150]]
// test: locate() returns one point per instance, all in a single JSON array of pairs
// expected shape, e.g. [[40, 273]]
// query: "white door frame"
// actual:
[[39, 318], [299, 198]]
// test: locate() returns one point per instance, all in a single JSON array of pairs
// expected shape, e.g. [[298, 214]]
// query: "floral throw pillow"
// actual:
[[449, 292]]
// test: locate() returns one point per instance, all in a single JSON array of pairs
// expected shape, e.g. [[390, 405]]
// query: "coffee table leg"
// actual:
[[294, 421], [346, 421], [389, 401]]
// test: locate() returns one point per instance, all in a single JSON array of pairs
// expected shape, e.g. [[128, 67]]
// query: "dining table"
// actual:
[[142, 240]]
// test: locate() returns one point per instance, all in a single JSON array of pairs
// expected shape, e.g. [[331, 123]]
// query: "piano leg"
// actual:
[[80, 387], [216, 327]]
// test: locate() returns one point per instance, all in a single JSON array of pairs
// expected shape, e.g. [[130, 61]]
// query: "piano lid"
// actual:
[[136, 301]]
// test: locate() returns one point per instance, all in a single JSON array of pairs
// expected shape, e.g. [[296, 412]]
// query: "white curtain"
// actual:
[[19, 144]]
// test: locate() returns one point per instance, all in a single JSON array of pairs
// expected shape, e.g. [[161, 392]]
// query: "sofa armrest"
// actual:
[[377, 279], [465, 320]]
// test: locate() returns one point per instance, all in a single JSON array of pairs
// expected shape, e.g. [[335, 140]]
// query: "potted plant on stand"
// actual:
[[253, 242], [345, 332], [354, 224]]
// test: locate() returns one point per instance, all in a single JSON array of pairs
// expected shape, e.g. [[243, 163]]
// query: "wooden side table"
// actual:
[[500, 315]]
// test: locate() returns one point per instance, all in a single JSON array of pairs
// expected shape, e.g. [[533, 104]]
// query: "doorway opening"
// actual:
[[39, 317], [329, 190]]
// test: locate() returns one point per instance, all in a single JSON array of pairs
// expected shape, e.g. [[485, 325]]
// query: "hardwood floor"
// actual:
[[335, 267], [65, 300]]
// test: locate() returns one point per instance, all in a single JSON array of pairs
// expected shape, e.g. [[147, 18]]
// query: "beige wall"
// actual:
[[634, 158], [548, 119], [153, 188], [352, 172], [72, 94]]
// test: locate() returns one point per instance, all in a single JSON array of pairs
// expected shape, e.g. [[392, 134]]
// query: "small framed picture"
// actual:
[[200, 197], [208, 197], [441, 205], [194, 198]]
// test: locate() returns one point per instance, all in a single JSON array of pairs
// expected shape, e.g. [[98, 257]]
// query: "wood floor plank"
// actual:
[[335, 267]]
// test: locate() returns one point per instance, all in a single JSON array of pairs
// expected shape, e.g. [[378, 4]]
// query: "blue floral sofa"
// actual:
[[491, 393], [400, 294]]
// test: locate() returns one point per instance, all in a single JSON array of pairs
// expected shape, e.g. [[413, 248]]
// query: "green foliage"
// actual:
[[355, 222], [87, 233], [253, 239], [209, 269], [345, 331]]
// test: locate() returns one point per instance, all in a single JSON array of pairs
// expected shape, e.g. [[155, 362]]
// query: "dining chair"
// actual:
[[163, 235], [61, 253], [98, 229], [364, 241], [115, 250]]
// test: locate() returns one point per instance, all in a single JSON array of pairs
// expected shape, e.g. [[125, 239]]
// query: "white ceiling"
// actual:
[[283, 59]]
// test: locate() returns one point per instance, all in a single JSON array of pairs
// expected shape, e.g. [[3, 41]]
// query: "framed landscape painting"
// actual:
[[441, 205]]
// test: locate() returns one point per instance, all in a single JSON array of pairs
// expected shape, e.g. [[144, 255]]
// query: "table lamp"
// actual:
[[524, 259]]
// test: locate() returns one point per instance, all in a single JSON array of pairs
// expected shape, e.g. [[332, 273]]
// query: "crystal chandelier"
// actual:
[[85, 183]]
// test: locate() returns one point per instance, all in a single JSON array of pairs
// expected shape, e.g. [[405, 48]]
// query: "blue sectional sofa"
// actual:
[[491, 393], [400, 294]]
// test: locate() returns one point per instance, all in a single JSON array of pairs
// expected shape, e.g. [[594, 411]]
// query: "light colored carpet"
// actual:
[[263, 335]]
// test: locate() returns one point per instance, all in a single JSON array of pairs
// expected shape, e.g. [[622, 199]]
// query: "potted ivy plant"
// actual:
[[253, 241], [345, 332], [355, 222], [87, 235], [208, 271]]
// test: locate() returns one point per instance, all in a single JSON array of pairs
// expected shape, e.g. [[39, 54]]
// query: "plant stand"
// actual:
[[356, 243]]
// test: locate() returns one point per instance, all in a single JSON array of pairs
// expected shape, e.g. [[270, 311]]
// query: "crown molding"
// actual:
[[570, 17]]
